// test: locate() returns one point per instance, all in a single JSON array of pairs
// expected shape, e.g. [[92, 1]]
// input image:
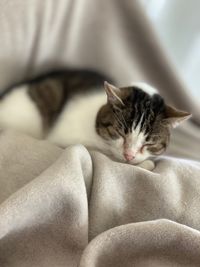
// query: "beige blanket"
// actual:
[[75, 208]]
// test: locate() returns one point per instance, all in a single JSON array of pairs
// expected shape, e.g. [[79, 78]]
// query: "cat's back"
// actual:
[[37, 105]]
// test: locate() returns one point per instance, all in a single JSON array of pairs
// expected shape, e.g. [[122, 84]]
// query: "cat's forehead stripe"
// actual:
[[144, 109]]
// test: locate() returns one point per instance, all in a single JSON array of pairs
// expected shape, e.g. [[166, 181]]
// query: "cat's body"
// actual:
[[71, 107], [63, 112]]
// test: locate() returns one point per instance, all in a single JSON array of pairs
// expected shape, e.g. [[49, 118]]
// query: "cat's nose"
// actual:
[[129, 155]]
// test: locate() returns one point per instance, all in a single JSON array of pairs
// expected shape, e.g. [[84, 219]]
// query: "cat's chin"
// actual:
[[135, 161], [122, 160]]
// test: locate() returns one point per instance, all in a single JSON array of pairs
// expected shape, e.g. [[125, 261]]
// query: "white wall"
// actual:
[[178, 24]]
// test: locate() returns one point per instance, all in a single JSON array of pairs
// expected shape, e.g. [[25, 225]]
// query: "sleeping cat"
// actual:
[[130, 124]]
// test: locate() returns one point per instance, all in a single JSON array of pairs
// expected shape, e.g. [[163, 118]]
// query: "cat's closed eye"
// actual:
[[157, 149], [146, 146]]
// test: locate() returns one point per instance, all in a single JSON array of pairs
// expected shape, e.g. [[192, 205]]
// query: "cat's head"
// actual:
[[135, 124]]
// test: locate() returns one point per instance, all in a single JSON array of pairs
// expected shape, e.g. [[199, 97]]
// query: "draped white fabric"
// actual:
[[178, 25]]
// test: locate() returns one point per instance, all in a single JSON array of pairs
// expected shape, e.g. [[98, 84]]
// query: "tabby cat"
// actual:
[[131, 124]]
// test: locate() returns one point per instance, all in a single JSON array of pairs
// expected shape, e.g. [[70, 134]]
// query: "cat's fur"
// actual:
[[131, 124]]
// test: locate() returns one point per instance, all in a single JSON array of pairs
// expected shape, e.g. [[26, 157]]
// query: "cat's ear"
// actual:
[[113, 94], [175, 116]]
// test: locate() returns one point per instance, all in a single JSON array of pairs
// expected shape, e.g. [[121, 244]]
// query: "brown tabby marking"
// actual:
[[132, 108], [51, 92], [48, 96]]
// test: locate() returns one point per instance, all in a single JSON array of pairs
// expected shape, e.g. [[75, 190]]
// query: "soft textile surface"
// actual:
[[75, 208]]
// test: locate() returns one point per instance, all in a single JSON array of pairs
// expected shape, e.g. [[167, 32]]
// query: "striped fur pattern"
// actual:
[[131, 124], [51, 92], [139, 121]]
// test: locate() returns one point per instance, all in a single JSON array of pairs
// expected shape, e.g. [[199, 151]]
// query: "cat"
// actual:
[[130, 124]]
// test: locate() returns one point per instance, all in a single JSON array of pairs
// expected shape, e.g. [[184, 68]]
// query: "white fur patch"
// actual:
[[137, 137], [137, 140], [146, 88], [19, 112], [76, 123]]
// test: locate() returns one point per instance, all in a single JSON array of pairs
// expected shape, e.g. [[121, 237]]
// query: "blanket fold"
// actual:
[[154, 243], [76, 207]]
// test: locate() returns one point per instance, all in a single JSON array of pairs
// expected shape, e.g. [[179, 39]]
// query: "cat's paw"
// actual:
[[147, 164]]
